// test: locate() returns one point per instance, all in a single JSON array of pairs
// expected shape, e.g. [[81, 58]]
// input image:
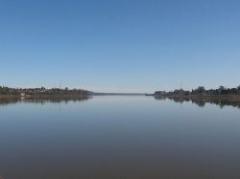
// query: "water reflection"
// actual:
[[112, 137], [199, 101], [42, 100], [202, 101], [6, 101]]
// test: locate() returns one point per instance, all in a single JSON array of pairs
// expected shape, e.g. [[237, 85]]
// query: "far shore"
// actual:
[[43, 96], [200, 94], [203, 97], [9, 96], [201, 100]]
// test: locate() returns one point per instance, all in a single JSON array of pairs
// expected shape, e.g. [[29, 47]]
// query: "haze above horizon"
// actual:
[[120, 46]]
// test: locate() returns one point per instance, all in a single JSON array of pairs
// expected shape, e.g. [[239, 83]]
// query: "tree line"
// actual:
[[201, 90], [42, 91]]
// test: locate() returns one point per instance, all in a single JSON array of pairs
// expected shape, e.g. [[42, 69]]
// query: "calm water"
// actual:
[[117, 137]]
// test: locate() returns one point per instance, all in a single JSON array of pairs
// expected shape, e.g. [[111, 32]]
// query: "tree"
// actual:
[[4, 90], [201, 89], [221, 88]]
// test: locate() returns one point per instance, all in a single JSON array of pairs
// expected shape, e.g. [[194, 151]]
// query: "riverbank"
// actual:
[[2, 97], [204, 97], [201, 100], [10, 99], [44, 96], [7, 93]]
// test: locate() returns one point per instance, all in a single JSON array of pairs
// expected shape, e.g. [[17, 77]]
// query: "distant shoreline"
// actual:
[[42, 96], [200, 96], [203, 97], [201, 92], [42, 93], [118, 94]]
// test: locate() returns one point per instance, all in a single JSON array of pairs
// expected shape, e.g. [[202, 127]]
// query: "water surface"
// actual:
[[120, 137]]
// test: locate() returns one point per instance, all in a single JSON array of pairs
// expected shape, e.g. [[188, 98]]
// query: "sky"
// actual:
[[120, 45]]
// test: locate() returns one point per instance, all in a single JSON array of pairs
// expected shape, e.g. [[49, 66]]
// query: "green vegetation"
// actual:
[[6, 92], [201, 91], [200, 96]]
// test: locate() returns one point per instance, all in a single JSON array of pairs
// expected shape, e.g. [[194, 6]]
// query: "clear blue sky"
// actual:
[[120, 45]]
